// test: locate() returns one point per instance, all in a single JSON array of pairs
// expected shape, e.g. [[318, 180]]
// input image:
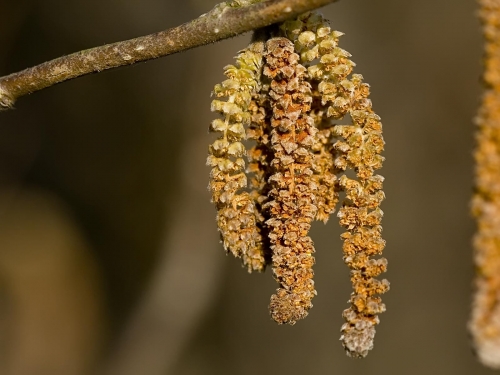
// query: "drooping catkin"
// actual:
[[307, 32], [291, 207], [485, 320], [236, 213], [357, 147]]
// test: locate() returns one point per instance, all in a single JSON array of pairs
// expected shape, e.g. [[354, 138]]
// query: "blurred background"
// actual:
[[110, 261]]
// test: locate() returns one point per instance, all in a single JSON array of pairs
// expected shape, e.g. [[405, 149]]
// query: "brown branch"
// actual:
[[222, 22]]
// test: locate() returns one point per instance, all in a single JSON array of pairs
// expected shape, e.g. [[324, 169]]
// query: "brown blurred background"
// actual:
[[109, 255]]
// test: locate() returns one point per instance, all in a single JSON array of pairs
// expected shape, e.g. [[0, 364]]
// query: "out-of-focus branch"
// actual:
[[224, 21]]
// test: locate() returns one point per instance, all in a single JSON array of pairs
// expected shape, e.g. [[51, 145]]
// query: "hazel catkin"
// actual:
[[292, 196], [236, 212]]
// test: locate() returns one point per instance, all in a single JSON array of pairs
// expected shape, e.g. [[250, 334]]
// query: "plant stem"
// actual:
[[222, 22]]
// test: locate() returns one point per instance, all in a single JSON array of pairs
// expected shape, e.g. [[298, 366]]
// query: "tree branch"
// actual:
[[224, 21]]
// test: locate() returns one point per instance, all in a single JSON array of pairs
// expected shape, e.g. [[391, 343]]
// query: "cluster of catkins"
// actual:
[[287, 93]]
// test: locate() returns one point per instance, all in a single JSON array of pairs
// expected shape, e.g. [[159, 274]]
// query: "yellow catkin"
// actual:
[[358, 148], [292, 196], [485, 320], [307, 32], [236, 212]]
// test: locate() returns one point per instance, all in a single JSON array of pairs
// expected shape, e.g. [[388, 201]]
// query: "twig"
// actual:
[[222, 22]]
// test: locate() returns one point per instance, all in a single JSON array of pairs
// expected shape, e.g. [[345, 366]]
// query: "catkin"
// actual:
[[236, 213], [307, 32], [485, 320], [358, 148], [292, 196]]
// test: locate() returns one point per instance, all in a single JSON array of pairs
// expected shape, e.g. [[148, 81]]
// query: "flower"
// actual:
[[236, 212]]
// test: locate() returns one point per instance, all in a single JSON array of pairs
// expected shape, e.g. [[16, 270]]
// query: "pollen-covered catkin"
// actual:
[[236, 213], [360, 146], [307, 32], [291, 207], [485, 320]]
